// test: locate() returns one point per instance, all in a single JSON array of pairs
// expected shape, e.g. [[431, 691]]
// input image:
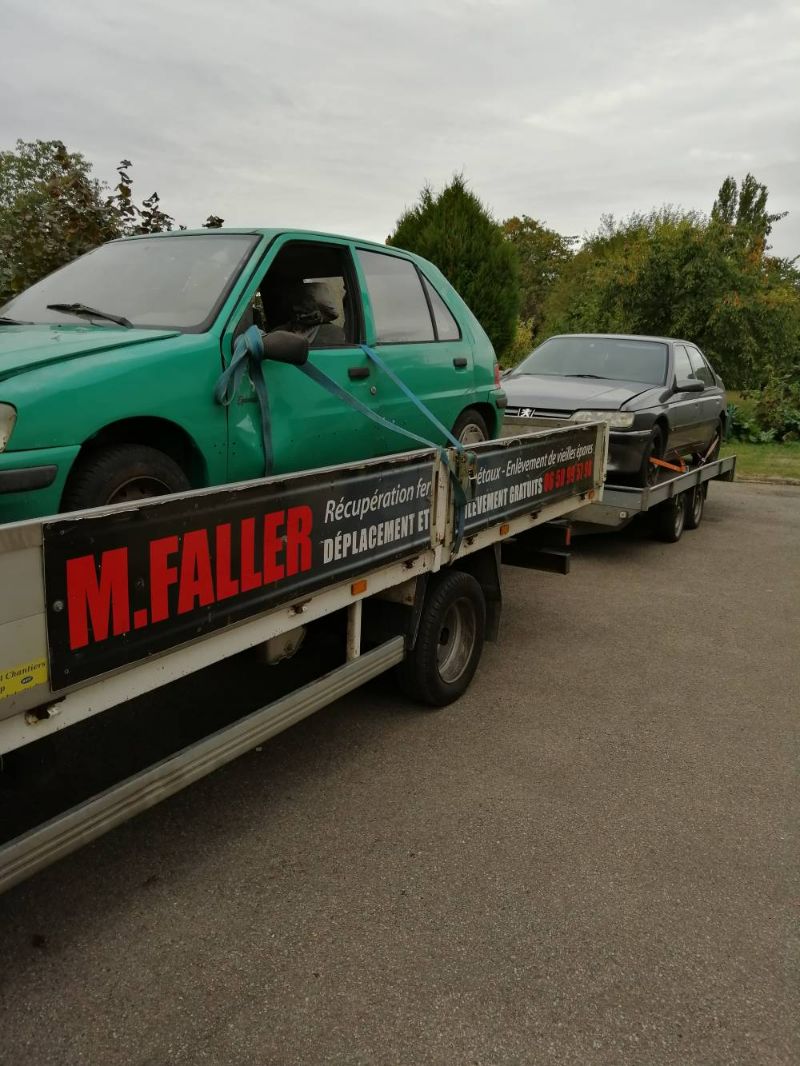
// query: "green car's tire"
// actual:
[[122, 473]]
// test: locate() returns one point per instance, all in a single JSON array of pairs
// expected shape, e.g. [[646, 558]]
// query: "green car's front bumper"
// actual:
[[32, 482]]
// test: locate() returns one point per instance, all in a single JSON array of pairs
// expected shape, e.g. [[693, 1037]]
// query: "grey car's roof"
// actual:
[[626, 337]]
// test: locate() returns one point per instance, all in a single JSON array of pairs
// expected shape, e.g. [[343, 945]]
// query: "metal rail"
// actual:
[[67, 832]]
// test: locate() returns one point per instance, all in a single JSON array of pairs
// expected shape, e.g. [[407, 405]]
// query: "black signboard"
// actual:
[[520, 477], [125, 585]]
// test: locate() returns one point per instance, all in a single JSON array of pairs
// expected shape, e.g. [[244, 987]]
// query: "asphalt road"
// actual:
[[592, 858]]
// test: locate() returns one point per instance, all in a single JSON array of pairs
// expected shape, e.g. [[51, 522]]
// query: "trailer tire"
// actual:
[[122, 473], [696, 506], [440, 666], [670, 518]]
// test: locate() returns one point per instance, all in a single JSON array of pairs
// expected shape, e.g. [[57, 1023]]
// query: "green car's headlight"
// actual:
[[615, 419], [8, 416]]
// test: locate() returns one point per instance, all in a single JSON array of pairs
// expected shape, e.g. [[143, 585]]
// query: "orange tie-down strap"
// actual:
[[682, 467], [670, 466]]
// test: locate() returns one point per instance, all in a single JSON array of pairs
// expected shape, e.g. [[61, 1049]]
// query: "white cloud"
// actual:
[[334, 116]]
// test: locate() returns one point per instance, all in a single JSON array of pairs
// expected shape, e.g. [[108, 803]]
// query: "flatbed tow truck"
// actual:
[[98, 607]]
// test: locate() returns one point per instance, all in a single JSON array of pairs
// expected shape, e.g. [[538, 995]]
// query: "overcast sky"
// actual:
[[333, 115]]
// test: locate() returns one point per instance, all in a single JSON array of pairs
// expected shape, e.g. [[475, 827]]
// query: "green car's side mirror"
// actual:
[[283, 347]]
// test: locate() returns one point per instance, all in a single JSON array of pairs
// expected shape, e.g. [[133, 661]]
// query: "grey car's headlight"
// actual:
[[8, 416], [615, 419]]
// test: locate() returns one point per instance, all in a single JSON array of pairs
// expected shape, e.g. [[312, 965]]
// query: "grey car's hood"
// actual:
[[547, 392]]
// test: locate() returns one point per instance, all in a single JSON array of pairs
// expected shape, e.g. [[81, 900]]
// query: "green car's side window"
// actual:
[[399, 306], [447, 329]]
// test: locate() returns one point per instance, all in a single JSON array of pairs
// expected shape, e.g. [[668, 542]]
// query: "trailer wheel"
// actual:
[[440, 666], [694, 510], [670, 518]]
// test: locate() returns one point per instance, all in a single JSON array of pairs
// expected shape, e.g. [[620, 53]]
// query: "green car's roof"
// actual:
[[259, 231]]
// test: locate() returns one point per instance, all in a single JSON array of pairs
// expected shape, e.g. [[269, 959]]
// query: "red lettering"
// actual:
[[298, 539], [98, 598], [549, 481], [161, 576], [226, 585], [251, 578], [196, 587], [273, 545]]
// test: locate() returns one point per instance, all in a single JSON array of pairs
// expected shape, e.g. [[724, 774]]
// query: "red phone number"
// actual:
[[567, 475]]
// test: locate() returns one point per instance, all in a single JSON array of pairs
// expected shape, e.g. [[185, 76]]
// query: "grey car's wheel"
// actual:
[[696, 506], [470, 427], [123, 473], [654, 449], [440, 666], [670, 518]]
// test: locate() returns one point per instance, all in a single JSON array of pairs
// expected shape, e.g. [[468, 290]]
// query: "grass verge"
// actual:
[[765, 460]]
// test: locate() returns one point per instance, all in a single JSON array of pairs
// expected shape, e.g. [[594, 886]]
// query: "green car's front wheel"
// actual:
[[122, 473]]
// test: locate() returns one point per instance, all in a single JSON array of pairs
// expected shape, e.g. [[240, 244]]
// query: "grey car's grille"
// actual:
[[535, 412]]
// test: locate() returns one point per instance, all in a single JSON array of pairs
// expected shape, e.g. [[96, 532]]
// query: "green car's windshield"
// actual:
[[175, 282], [617, 358]]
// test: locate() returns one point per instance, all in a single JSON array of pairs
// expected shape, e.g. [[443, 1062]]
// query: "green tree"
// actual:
[[456, 232], [542, 253], [676, 273], [51, 210], [742, 210]]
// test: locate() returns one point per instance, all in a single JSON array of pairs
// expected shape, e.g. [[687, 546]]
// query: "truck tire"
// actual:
[[696, 506], [470, 427], [670, 518], [440, 666], [122, 473]]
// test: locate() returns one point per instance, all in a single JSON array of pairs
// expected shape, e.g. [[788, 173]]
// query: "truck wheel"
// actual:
[[440, 666], [670, 518], [696, 505], [470, 427], [123, 473]]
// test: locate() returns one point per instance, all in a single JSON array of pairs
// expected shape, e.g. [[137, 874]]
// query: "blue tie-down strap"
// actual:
[[464, 477], [248, 357]]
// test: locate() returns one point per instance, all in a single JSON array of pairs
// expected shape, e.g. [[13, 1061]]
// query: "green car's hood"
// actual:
[[25, 348]]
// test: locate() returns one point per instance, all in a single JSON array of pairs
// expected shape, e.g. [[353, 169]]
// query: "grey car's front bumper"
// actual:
[[625, 446]]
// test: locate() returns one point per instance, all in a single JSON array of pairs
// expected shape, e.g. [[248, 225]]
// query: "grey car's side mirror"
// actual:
[[281, 346], [690, 385]]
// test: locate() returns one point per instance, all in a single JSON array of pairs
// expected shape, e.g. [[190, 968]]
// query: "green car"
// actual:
[[108, 367]]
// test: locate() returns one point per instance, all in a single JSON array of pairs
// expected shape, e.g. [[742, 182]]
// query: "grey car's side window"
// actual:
[[700, 367], [683, 366], [399, 306]]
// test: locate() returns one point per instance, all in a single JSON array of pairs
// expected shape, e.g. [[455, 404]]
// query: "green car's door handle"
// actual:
[[356, 372], [460, 361]]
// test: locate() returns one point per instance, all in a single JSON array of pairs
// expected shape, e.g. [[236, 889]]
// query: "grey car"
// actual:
[[660, 396]]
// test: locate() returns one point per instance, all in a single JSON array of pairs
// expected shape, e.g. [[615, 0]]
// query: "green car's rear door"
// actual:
[[414, 331]]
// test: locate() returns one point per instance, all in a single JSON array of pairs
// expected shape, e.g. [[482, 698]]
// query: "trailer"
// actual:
[[675, 500], [101, 606]]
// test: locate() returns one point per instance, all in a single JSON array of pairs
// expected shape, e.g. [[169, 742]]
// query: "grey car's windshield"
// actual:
[[617, 358], [155, 282]]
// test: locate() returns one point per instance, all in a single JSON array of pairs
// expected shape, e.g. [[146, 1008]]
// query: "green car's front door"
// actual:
[[309, 427]]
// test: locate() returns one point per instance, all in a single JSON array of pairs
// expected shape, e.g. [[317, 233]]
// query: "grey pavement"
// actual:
[[592, 858]]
